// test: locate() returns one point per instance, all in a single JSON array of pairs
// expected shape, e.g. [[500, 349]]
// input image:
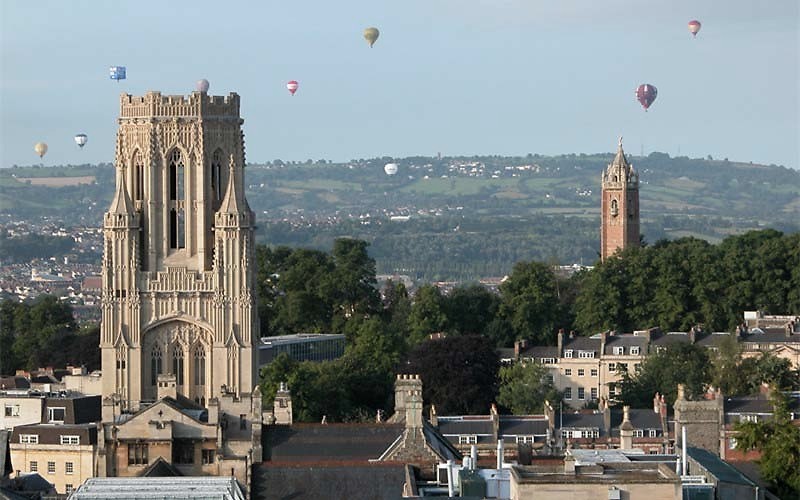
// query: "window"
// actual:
[[137, 454], [581, 393], [242, 422], [470, 439], [12, 411], [70, 439], [568, 372], [182, 451], [581, 372], [593, 372], [138, 176], [56, 415], [29, 439], [199, 366], [637, 433], [619, 350], [208, 457], [216, 179], [748, 418], [566, 434], [51, 467], [585, 354], [177, 191], [652, 433], [612, 367], [622, 367], [568, 393], [593, 393], [732, 443], [34, 466], [155, 365], [177, 365], [524, 439], [69, 488], [568, 353], [547, 361], [635, 350], [68, 468]]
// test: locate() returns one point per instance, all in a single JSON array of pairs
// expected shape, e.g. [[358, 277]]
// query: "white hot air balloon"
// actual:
[[202, 86], [80, 140], [390, 168]]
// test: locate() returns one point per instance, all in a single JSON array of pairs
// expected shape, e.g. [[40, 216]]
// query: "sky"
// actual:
[[456, 77]]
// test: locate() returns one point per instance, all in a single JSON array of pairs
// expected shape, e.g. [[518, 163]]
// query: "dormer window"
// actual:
[[635, 350], [568, 353], [619, 351]]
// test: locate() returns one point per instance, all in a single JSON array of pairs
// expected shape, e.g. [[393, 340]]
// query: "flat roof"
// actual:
[[167, 488]]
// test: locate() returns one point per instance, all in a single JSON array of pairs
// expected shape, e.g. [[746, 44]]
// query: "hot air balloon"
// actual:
[[80, 140], [40, 148], [646, 94], [390, 168], [116, 73], [292, 86], [694, 27], [202, 85], [371, 34]]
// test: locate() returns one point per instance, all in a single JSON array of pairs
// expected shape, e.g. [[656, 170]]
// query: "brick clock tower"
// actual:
[[619, 206]]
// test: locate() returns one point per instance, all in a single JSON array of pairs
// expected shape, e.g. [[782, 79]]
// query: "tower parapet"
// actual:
[[154, 105]]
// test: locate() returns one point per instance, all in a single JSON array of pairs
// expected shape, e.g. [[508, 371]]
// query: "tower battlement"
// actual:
[[196, 104]]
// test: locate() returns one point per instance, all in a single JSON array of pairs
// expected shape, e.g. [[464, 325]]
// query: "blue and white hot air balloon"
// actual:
[[116, 73]]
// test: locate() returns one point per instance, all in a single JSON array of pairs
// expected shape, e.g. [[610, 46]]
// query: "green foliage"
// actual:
[[778, 440], [681, 283], [530, 302], [459, 374], [24, 248], [525, 387], [738, 376], [41, 333], [678, 363], [428, 314]]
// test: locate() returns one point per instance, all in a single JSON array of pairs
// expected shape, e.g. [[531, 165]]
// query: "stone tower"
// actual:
[[619, 213], [178, 268]]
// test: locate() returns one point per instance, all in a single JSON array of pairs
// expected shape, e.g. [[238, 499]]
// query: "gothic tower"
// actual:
[[619, 213], [178, 268]]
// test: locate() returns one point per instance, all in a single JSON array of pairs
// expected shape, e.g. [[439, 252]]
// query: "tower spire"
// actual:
[[121, 204], [231, 204]]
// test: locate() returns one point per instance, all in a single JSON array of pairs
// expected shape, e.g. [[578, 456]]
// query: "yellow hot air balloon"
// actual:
[[40, 148], [371, 34]]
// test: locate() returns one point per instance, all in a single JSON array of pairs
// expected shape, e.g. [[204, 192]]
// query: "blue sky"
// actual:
[[450, 76]]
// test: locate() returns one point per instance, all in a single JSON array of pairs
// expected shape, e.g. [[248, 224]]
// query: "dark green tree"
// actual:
[[459, 374], [470, 309], [427, 314], [529, 302]]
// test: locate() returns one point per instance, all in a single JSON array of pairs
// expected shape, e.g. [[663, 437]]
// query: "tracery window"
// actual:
[[199, 366], [156, 367], [177, 364]]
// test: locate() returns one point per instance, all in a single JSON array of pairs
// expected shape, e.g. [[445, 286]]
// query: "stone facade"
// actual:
[[178, 273], [619, 206], [703, 419]]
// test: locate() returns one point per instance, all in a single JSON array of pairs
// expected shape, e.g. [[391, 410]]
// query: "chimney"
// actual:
[[167, 386], [495, 422], [603, 337], [681, 393], [626, 429], [282, 406], [414, 409], [606, 411], [560, 342], [656, 404], [692, 334], [434, 418]]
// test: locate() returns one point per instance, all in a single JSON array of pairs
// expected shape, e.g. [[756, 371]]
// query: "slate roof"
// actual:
[[7, 494], [769, 336], [720, 469], [439, 444], [669, 338], [378, 481], [466, 425], [579, 343], [160, 468], [713, 339], [540, 351], [580, 420], [308, 443], [521, 426], [14, 382], [640, 418], [625, 340]]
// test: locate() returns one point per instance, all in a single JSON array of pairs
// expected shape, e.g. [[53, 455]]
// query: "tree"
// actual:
[[530, 301], [427, 314], [778, 440], [679, 363], [470, 309], [459, 374], [525, 387]]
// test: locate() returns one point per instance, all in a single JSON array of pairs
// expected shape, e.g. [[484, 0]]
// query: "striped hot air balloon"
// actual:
[[292, 86], [646, 94]]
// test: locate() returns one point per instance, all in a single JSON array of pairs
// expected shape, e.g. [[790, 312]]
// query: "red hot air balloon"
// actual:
[[694, 27], [292, 86], [646, 94]]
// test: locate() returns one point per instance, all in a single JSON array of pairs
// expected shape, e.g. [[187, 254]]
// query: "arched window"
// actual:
[[177, 364], [138, 176], [614, 207], [199, 365], [156, 367], [216, 178], [176, 188]]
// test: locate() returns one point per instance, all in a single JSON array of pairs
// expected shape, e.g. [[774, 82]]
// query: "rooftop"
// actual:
[[124, 488]]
